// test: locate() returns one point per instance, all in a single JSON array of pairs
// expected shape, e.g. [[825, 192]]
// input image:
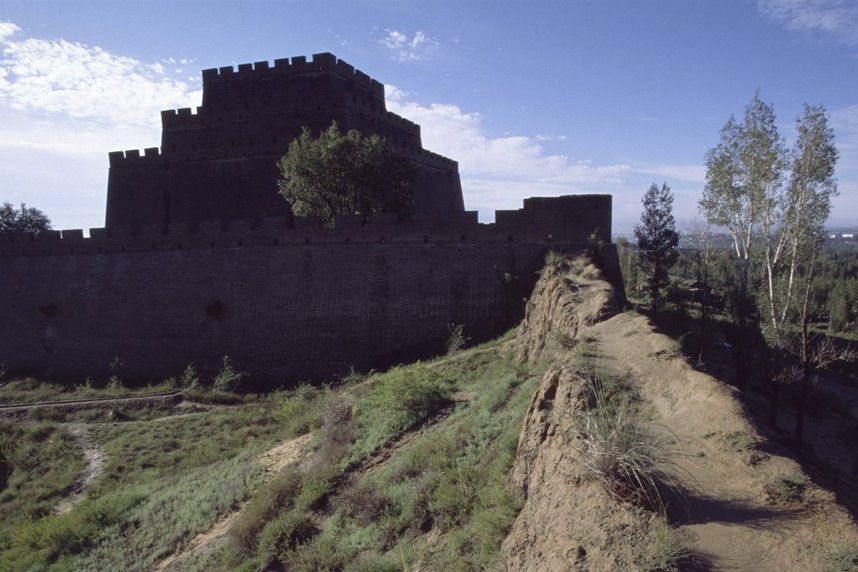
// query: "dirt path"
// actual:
[[274, 460], [728, 519], [384, 454], [93, 454], [168, 395]]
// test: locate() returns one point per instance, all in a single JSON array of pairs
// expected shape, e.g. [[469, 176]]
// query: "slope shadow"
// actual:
[[817, 459], [689, 508]]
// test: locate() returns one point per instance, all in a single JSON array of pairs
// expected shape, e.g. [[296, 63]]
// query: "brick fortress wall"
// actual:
[[220, 162], [286, 299], [200, 257]]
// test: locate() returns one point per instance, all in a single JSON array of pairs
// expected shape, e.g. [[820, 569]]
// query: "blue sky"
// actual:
[[532, 98]]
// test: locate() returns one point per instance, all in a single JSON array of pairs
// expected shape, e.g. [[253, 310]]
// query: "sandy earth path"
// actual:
[[726, 516], [275, 460], [93, 455]]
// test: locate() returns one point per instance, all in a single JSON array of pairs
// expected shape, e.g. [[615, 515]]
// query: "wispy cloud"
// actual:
[[689, 173], [497, 172], [61, 79], [551, 137], [837, 18], [65, 104], [405, 48]]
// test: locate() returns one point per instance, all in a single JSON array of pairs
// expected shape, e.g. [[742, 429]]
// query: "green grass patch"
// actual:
[[30, 390], [397, 401], [786, 488], [42, 463], [840, 559]]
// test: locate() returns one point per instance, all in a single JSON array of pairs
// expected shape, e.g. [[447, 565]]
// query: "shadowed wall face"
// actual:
[[284, 314], [220, 163], [286, 302]]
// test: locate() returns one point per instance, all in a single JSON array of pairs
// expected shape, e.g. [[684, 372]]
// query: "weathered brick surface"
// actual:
[[284, 313]]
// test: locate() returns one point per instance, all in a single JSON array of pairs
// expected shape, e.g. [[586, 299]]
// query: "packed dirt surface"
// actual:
[[723, 507], [274, 460], [93, 455], [569, 521]]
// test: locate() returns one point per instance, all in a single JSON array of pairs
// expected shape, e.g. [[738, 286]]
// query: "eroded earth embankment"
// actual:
[[724, 507]]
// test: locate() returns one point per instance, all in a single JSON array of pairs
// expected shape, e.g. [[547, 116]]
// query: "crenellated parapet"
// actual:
[[262, 70], [570, 219]]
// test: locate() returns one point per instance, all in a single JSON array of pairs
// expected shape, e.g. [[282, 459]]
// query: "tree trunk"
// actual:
[[805, 387], [701, 352], [774, 401]]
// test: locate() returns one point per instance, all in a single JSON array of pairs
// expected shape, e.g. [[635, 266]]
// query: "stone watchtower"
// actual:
[[220, 163]]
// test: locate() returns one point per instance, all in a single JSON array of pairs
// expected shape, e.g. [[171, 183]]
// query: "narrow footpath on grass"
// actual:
[[93, 455], [274, 460]]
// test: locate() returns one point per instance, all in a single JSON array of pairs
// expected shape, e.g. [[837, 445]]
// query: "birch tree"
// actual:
[[744, 173], [777, 218]]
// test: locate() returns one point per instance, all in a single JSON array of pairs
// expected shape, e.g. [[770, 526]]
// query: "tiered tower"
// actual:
[[220, 162]]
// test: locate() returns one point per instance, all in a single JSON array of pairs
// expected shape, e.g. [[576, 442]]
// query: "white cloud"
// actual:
[[838, 18], [420, 46], [72, 80], [498, 172], [690, 173], [448, 130], [8, 29], [63, 106]]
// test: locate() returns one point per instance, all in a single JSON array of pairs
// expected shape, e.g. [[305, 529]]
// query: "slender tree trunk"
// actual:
[[805, 387], [774, 401], [704, 307], [742, 322]]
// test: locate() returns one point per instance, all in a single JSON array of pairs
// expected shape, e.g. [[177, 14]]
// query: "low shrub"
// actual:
[[362, 502], [456, 339], [840, 559], [299, 408], [284, 533], [786, 488], [276, 496], [397, 401], [228, 379], [407, 395]]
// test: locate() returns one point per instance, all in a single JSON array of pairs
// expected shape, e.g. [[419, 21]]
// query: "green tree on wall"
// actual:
[[29, 220], [657, 239], [344, 174]]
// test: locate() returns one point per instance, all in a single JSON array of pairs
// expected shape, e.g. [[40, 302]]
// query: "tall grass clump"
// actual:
[[299, 408], [228, 378], [456, 338], [618, 449], [840, 559]]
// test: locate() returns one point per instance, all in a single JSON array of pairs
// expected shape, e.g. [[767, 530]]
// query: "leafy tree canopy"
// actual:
[[344, 174], [29, 220]]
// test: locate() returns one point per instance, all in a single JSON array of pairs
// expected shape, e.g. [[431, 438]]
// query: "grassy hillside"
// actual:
[[402, 467]]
